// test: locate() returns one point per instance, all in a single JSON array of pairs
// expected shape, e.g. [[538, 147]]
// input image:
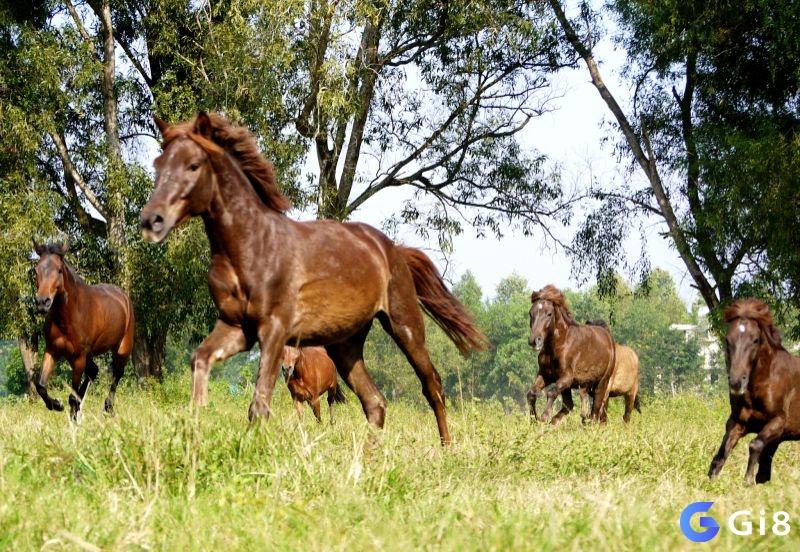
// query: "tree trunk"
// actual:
[[29, 351], [149, 352]]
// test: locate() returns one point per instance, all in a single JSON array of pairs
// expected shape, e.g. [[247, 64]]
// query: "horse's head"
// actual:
[[184, 177], [289, 361], [542, 316], [49, 275], [751, 334]]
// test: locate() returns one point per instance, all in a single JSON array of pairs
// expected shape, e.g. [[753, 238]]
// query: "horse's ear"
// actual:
[[39, 248], [202, 125], [65, 247], [161, 124]]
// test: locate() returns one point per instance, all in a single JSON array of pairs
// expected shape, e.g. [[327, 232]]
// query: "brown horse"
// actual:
[[276, 281], [624, 382], [570, 355], [764, 382], [82, 321], [309, 372]]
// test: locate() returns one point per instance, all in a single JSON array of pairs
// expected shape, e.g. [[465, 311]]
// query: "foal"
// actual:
[[309, 372], [764, 382]]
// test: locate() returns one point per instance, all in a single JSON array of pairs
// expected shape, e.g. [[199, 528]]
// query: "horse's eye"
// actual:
[[60, 271], [194, 167]]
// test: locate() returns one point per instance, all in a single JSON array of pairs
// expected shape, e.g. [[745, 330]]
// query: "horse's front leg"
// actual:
[[533, 394], [733, 432], [562, 383], [48, 363], [769, 435], [223, 342], [271, 338]]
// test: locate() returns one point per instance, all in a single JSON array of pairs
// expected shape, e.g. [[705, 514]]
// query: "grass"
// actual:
[[162, 476]]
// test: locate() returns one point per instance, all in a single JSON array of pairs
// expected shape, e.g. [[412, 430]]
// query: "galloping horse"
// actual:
[[82, 321], [309, 372], [276, 281], [764, 383], [624, 382], [570, 355]]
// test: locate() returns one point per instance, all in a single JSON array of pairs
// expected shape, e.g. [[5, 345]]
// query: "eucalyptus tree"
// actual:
[[711, 122]]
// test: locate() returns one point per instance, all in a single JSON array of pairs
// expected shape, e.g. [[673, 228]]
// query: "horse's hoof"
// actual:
[[257, 410], [57, 405], [109, 406]]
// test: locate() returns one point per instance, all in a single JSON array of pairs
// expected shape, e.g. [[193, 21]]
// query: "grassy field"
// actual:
[[159, 476]]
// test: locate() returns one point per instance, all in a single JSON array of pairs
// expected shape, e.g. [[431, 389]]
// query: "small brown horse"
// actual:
[[309, 372], [82, 321], [570, 355], [764, 384], [276, 281], [624, 382]]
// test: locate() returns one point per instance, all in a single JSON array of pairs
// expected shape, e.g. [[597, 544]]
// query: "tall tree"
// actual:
[[711, 123], [427, 96]]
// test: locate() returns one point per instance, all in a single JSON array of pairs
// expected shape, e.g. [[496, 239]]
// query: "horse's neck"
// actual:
[[558, 336], [236, 211], [73, 294]]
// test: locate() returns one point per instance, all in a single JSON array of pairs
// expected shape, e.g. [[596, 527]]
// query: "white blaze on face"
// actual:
[[541, 306], [741, 328]]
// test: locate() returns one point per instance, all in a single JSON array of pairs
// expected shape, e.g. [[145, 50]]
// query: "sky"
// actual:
[[570, 135]]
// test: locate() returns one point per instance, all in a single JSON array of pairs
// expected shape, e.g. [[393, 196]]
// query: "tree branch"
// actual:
[[69, 168]]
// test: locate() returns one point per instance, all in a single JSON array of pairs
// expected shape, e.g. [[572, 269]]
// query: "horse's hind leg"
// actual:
[[348, 357], [117, 370], [75, 395], [406, 326], [629, 400], [566, 408]]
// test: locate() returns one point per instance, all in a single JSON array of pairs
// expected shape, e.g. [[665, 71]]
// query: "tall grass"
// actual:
[[160, 475]]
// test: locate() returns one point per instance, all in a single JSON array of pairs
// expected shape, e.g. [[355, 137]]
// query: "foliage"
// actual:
[[713, 123], [160, 476]]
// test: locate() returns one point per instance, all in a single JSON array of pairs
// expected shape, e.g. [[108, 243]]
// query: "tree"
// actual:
[[712, 126], [427, 96]]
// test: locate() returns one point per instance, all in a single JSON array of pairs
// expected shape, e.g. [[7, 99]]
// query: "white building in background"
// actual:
[[708, 342]]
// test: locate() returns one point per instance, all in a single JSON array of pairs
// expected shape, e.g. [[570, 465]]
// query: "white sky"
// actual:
[[571, 136]]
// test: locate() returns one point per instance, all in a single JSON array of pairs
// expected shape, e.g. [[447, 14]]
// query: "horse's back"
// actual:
[[317, 368], [112, 318], [626, 371], [591, 350]]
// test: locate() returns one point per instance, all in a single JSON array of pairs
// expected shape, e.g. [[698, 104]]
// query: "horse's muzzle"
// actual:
[[43, 303], [739, 387], [536, 342], [153, 227]]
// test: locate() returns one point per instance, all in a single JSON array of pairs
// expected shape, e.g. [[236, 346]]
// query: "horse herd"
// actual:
[[308, 292]]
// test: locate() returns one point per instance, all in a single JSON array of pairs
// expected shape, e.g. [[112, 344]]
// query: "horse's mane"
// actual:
[[758, 312], [239, 143], [553, 294], [51, 249]]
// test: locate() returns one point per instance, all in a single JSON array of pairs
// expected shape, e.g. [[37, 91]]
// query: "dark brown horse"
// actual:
[[82, 321], [624, 382], [570, 355], [310, 372], [764, 384], [276, 281]]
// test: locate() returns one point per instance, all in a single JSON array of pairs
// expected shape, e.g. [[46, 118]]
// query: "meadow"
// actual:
[[162, 476]]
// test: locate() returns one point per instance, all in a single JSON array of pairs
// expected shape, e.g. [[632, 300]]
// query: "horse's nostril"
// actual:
[[157, 223]]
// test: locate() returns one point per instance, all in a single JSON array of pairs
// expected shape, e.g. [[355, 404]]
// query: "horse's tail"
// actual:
[[636, 404], [339, 396], [441, 305]]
